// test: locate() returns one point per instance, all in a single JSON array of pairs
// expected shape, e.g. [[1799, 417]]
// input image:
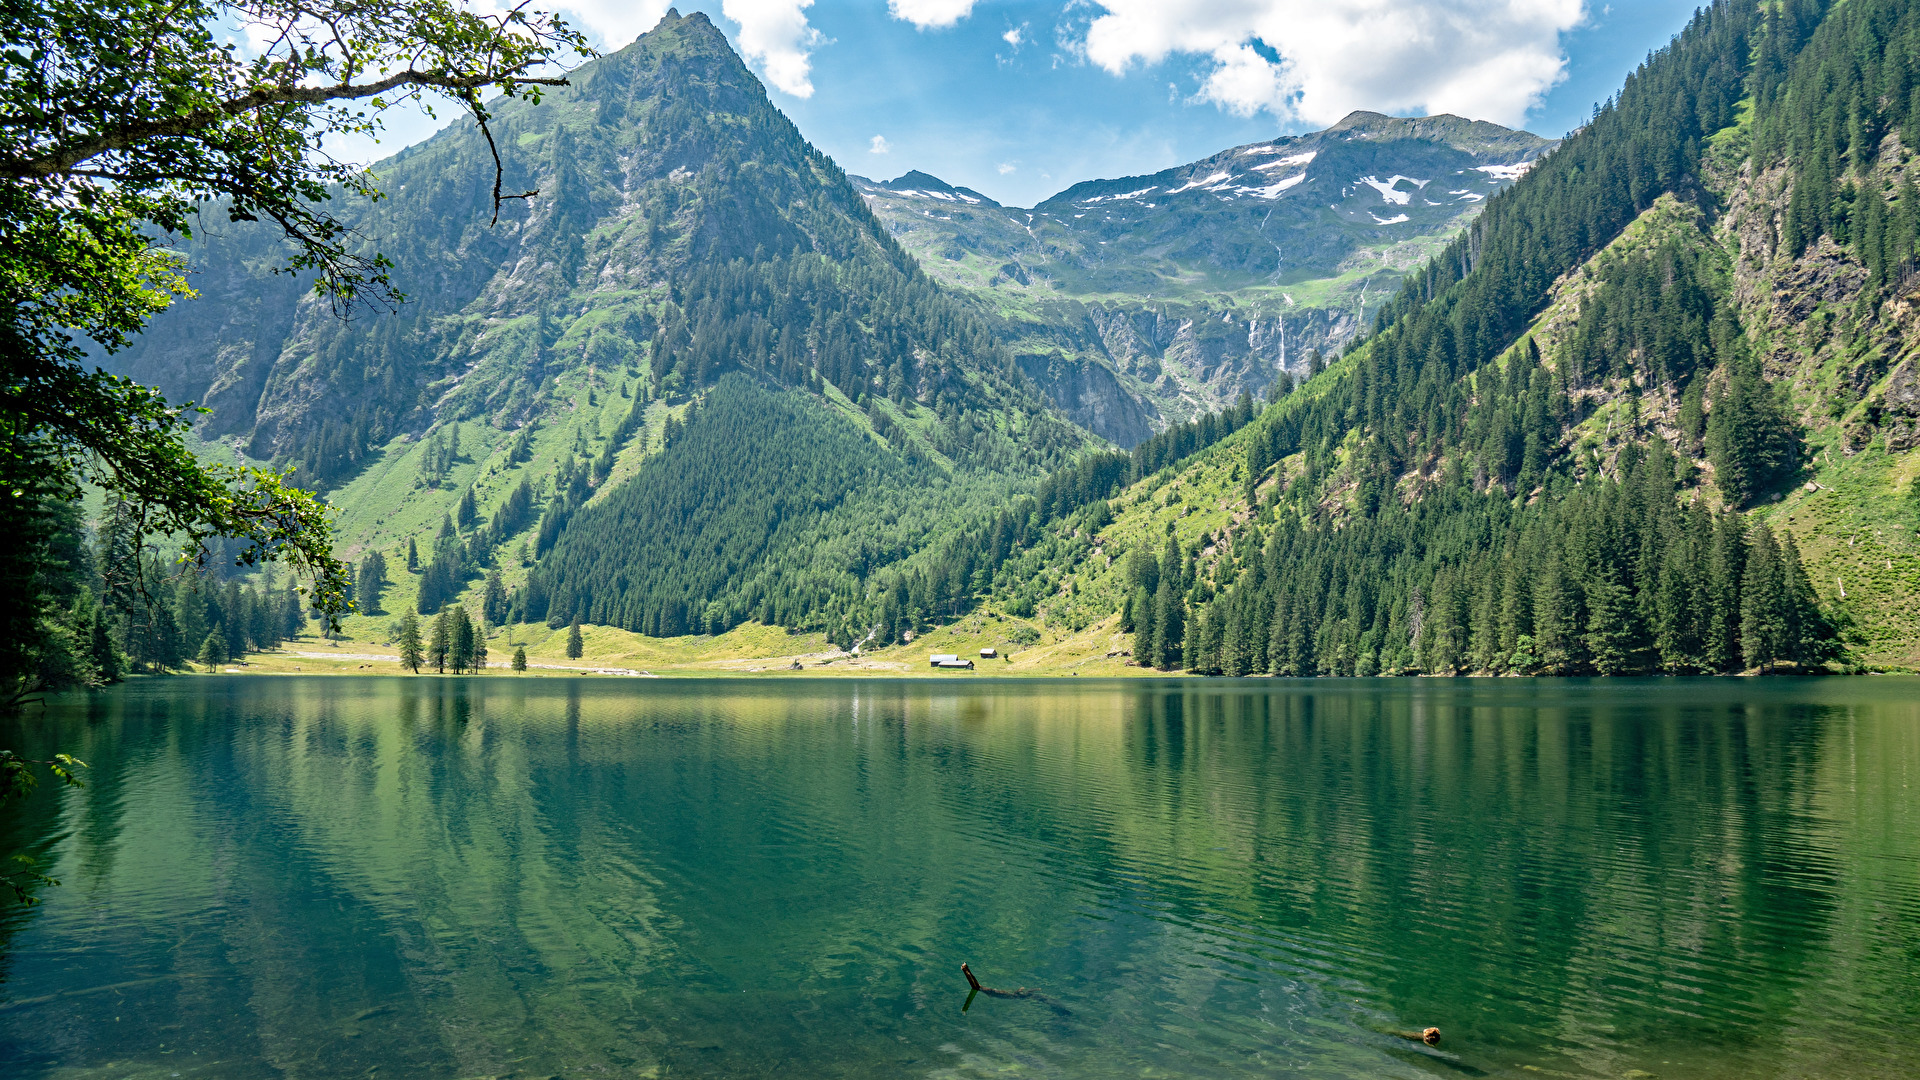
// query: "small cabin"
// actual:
[[949, 660], [988, 654]]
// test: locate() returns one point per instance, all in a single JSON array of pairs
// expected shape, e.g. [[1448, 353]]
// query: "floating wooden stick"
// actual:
[[1430, 1036], [1023, 992]]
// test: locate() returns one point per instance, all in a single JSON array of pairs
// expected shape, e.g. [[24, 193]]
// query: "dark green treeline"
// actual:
[[1608, 577]]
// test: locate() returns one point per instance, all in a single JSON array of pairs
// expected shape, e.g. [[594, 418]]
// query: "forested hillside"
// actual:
[[1652, 411], [1655, 409], [683, 233]]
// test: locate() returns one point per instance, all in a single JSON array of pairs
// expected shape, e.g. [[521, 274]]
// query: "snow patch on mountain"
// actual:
[[1394, 220], [1125, 195], [1505, 172], [1296, 159], [949, 196], [1191, 184], [1272, 191]]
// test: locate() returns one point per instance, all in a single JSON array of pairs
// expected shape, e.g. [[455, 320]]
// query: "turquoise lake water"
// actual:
[[333, 877]]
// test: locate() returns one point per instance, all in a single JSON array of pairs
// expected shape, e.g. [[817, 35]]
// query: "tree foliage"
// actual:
[[122, 123]]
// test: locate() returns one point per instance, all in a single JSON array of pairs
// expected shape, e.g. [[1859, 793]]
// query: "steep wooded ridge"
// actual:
[[1652, 411], [683, 232], [1145, 299]]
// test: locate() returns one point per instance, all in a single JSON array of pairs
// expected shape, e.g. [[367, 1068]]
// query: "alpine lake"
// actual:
[[454, 878]]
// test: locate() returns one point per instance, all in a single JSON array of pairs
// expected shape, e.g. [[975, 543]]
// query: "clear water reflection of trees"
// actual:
[[1704, 878]]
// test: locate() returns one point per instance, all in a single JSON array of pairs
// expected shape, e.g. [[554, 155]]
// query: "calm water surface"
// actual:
[[443, 878]]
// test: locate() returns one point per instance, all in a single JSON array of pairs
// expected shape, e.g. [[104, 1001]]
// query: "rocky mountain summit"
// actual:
[[1192, 284]]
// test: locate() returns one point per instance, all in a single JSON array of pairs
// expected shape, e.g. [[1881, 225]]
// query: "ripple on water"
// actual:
[[448, 878]]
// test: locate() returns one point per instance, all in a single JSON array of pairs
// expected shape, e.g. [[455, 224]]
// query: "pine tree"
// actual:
[[108, 665], [371, 584], [467, 512], [1552, 619], [440, 641], [233, 620], [1810, 635], [576, 647], [493, 603], [190, 609], [1169, 622], [213, 652], [1752, 439], [1763, 603], [1143, 624], [263, 619], [459, 639], [411, 656], [520, 658], [293, 617], [478, 662], [1725, 563], [413, 557]]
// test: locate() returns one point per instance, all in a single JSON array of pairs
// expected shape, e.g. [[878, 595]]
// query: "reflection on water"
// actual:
[[324, 877]]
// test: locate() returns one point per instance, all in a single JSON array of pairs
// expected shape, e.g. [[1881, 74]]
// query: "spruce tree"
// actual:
[[371, 585], [190, 609], [459, 639], [1725, 564], [233, 620], [440, 641], [263, 620], [1809, 634], [576, 648], [1169, 621], [213, 652], [1552, 619], [108, 665], [1143, 623], [411, 655], [1763, 603], [1752, 439], [293, 617], [413, 556], [520, 658], [493, 603]]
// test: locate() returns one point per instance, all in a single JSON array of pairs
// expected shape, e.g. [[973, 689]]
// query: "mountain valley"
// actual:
[[1402, 396]]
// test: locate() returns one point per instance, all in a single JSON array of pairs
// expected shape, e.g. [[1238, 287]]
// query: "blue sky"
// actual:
[[1019, 99]]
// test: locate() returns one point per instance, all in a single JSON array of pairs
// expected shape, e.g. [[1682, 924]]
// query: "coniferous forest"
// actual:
[[1638, 416]]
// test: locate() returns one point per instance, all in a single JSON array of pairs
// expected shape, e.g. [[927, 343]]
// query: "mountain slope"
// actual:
[[683, 231], [1653, 411], [1197, 282]]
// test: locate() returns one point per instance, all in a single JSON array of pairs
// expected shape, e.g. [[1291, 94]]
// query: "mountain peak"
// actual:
[[926, 185], [1470, 136]]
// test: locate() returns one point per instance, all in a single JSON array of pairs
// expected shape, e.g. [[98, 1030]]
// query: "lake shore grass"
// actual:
[[1101, 650]]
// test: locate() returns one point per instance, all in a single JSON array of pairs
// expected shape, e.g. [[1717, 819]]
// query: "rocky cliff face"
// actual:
[[1198, 282]]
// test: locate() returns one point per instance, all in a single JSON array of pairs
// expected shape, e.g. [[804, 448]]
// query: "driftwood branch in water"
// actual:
[[1023, 992], [1430, 1036]]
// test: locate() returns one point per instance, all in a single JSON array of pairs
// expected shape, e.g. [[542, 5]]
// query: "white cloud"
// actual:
[[615, 22], [926, 14], [1015, 35], [774, 34], [1007, 167], [879, 145], [1484, 59]]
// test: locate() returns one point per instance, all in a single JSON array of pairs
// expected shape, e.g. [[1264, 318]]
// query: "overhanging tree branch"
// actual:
[[65, 159]]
